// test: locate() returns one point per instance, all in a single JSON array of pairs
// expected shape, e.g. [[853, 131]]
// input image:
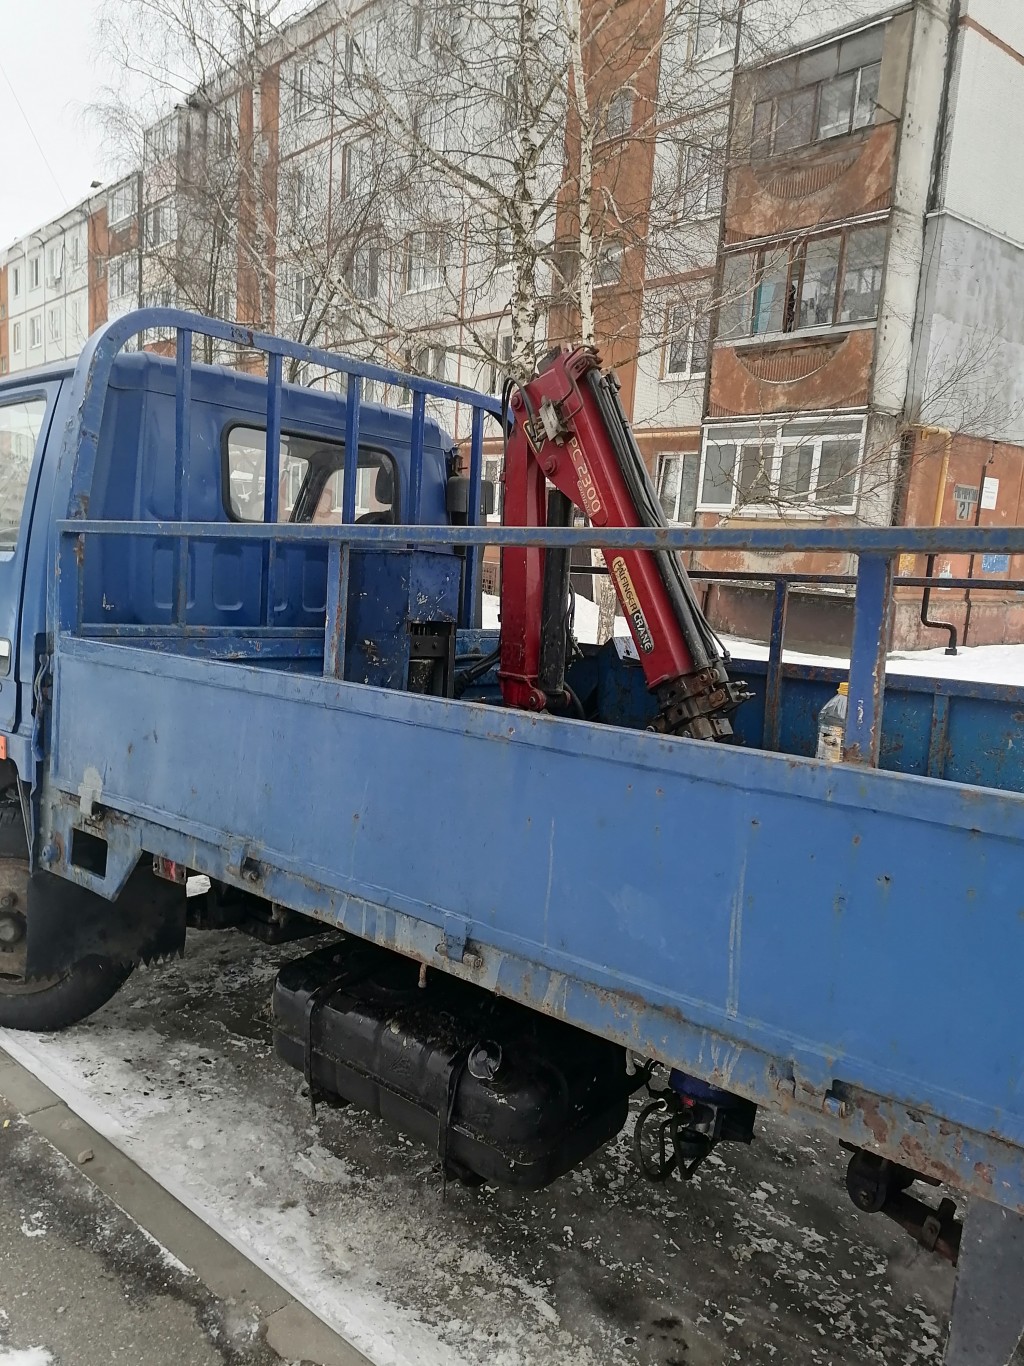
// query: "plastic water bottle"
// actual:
[[832, 726]]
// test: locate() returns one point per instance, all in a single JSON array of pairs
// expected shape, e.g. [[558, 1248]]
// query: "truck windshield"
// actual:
[[312, 479], [20, 424]]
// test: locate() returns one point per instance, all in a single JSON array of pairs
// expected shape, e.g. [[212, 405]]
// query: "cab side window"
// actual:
[[312, 479], [20, 424]]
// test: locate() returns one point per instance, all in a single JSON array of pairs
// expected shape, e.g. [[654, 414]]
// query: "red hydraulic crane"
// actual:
[[568, 428]]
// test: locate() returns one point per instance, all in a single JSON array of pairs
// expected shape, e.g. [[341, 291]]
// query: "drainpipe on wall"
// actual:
[[929, 571], [977, 522]]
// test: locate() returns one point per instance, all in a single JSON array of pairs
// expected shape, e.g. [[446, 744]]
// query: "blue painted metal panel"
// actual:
[[984, 722], [750, 917], [770, 900]]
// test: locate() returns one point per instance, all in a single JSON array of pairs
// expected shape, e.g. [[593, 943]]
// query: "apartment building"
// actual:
[[47, 288], [863, 369], [796, 240], [60, 282]]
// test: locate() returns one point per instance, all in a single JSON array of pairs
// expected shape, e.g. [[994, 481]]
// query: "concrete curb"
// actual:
[[292, 1330]]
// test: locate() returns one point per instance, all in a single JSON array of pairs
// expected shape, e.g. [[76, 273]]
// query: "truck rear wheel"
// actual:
[[43, 1003]]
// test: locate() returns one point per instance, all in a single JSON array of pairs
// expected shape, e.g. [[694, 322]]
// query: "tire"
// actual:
[[57, 1002], [51, 1003]]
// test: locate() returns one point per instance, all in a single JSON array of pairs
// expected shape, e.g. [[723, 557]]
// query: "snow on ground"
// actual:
[[760, 1259], [584, 619], [29, 1356], [972, 663]]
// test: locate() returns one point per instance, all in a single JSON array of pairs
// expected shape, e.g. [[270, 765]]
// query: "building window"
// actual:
[[160, 141], [608, 265], [829, 93], [493, 474], [712, 29], [54, 325], [355, 167], [302, 291], [15, 282], [76, 319], [618, 118], [76, 251], [510, 100], [825, 281], [302, 192], [34, 272], [301, 89], [35, 331], [502, 243], [20, 425], [54, 264], [363, 275], [424, 260], [416, 35], [677, 485], [15, 336], [121, 203], [122, 275], [223, 133], [687, 337], [160, 224], [798, 464], [158, 298], [700, 171], [500, 367], [429, 361]]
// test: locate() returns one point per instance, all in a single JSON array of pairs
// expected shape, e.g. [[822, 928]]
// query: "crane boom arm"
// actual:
[[568, 427]]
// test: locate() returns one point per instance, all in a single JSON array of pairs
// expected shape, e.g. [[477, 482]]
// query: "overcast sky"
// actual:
[[48, 54]]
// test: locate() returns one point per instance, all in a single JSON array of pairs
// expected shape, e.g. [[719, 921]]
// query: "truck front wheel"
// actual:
[[44, 1003]]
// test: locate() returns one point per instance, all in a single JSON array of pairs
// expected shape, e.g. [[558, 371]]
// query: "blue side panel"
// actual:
[[937, 728], [820, 915], [133, 580]]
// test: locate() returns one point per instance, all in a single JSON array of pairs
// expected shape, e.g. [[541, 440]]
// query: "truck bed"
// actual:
[[815, 955]]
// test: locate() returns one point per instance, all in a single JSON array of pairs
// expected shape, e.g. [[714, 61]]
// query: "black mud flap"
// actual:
[[67, 923]]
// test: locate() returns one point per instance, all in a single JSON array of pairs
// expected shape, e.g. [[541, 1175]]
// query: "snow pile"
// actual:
[[971, 664], [29, 1356], [585, 617]]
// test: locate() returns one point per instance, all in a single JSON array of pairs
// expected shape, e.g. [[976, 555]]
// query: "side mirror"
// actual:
[[457, 498]]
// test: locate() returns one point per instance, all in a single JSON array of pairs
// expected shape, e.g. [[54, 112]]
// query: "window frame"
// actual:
[[699, 304], [430, 274], [301, 90], [625, 96], [701, 17], [124, 192], [16, 335], [35, 328], [385, 456], [702, 189], [9, 399], [163, 215], [796, 252], [682, 456], [817, 90], [802, 431], [608, 251]]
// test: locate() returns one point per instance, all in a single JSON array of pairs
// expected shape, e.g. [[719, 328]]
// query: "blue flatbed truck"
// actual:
[[206, 672]]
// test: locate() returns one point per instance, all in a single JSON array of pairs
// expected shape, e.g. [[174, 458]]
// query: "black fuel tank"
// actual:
[[501, 1092]]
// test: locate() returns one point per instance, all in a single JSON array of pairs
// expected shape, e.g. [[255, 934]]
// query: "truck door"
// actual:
[[25, 416]]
